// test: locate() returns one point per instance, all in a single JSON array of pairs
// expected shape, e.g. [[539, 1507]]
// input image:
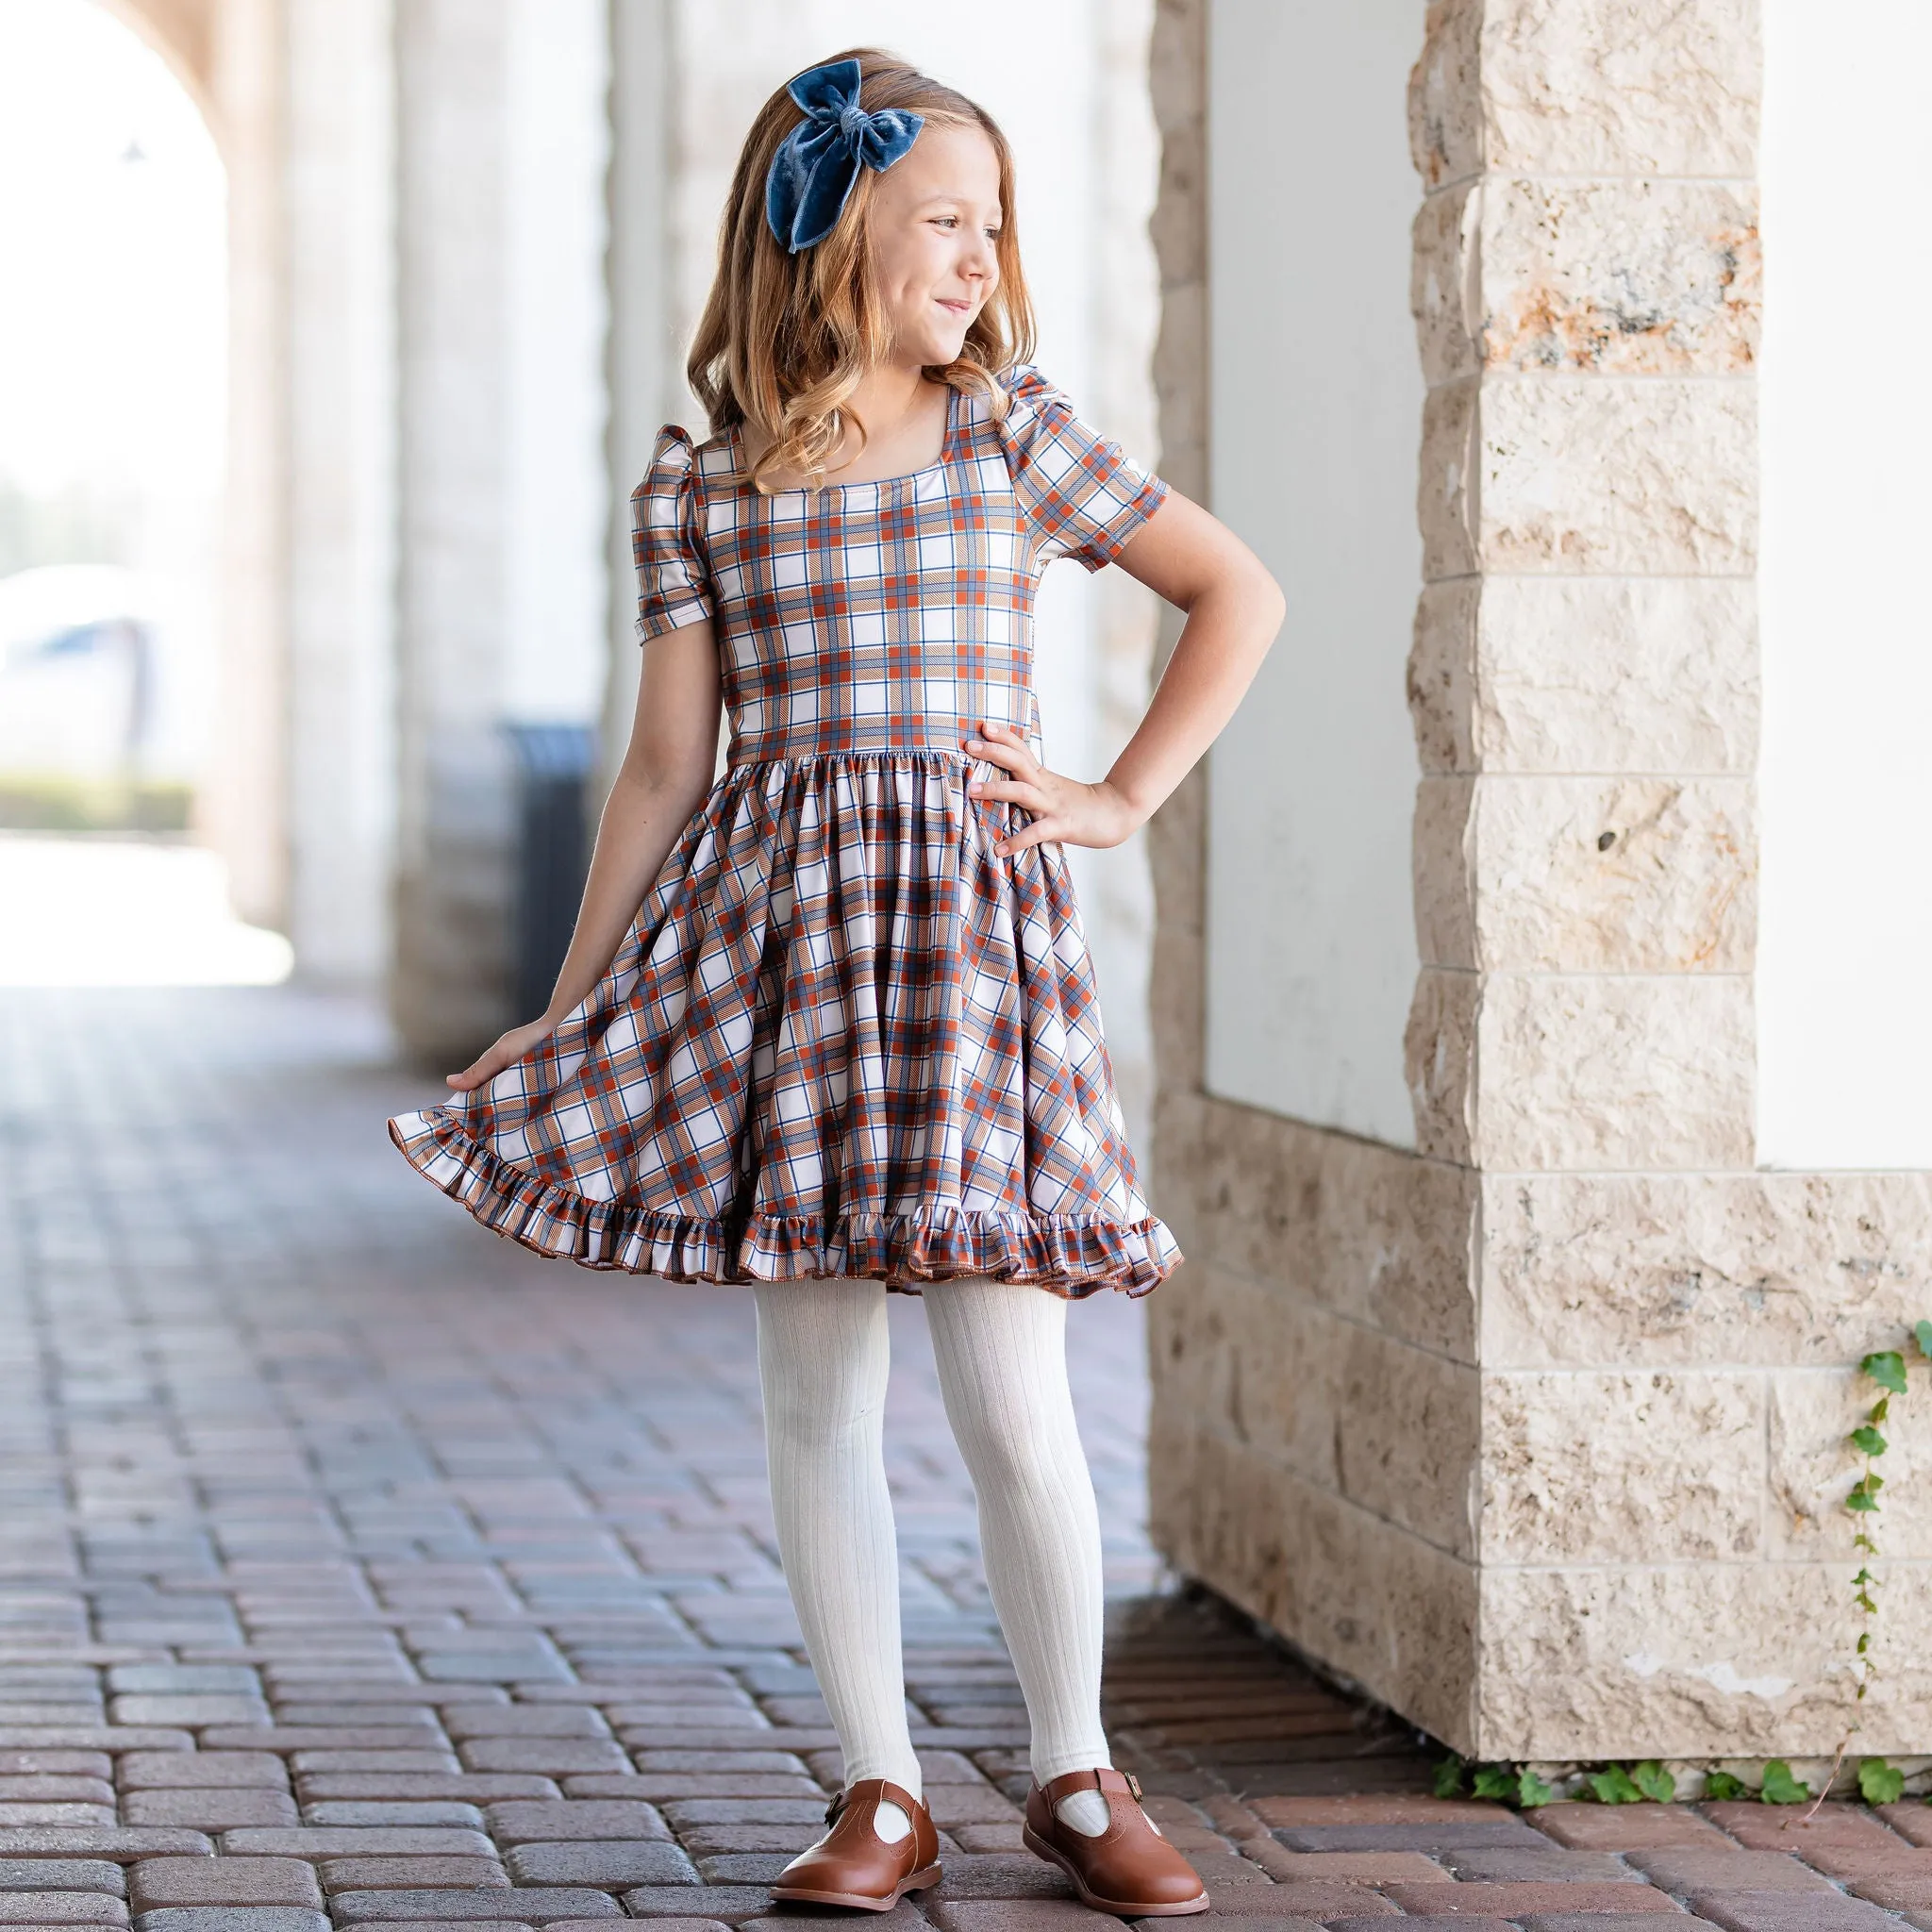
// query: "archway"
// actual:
[[113, 393]]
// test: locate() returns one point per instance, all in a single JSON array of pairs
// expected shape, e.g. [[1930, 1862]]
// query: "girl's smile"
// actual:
[[935, 217]]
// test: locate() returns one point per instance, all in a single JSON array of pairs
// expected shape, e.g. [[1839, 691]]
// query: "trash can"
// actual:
[[554, 764]]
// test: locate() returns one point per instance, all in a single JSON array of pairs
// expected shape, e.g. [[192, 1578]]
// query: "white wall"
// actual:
[[1311, 938], [1844, 1028]]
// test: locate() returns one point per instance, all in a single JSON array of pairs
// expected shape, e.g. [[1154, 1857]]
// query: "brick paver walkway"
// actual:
[[356, 1567]]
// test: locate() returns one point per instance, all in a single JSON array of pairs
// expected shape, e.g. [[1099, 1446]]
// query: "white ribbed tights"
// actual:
[[1001, 1349]]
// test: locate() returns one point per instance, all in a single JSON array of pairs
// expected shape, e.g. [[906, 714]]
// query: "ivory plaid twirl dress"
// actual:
[[843, 1037]]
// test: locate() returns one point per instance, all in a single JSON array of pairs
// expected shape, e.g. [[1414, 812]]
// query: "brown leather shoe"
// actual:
[[853, 1865], [1130, 1870]]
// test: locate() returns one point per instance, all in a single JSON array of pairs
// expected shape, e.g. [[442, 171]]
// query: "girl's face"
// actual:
[[935, 216]]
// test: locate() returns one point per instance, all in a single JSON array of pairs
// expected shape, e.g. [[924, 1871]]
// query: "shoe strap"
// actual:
[[876, 1791], [1102, 1778]]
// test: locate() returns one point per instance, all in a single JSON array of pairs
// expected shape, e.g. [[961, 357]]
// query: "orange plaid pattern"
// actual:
[[843, 1037]]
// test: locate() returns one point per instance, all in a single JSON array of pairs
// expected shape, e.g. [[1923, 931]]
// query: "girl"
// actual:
[[851, 1041]]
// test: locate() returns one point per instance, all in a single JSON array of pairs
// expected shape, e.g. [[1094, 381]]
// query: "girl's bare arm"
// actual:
[[1233, 607], [666, 773]]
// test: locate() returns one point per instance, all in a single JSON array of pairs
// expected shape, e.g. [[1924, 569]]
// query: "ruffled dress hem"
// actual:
[[1071, 1256]]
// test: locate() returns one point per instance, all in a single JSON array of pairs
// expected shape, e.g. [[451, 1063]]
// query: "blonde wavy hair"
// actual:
[[785, 339]]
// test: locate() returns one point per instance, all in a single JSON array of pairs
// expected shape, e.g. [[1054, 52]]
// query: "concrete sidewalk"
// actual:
[[357, 1566]]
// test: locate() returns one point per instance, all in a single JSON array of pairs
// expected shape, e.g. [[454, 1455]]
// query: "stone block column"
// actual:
[[1537, 1431], [1584, 682], [1585, 694]]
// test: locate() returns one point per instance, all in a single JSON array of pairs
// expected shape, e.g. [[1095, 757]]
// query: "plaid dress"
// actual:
[[843, 1037]]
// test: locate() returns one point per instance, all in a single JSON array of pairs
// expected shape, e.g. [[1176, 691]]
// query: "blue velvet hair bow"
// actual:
[[811, 174]]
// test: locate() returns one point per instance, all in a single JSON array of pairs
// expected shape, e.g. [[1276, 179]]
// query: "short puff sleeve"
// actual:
[[674, 585], [1083, 495]]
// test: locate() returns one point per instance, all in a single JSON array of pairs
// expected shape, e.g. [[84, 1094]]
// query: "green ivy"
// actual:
[[1886, 1368], [1504, 1784], [1614, 1786], [1879, 1783], [1646, 1783]]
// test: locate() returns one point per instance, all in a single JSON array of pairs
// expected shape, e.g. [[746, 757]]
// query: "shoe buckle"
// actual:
[[1134, 1786], [833, 1810]]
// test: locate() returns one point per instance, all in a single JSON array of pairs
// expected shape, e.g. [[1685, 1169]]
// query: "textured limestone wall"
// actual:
[[1317, 1408], [1586, 292], [1540, 1433]]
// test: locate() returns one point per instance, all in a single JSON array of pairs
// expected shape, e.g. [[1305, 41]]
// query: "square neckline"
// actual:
[[947, 444]]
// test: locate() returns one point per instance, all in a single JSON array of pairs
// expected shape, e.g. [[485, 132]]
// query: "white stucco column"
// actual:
[[502, 517], [338, 257], [448, 991], [558, 158], [245, 807], [643, 357]]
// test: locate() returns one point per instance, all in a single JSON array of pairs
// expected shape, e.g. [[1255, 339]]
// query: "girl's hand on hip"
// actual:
[[508, 1051], [1064, 811]]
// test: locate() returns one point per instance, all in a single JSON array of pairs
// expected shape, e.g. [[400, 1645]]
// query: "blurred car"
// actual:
[[77, 671]]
